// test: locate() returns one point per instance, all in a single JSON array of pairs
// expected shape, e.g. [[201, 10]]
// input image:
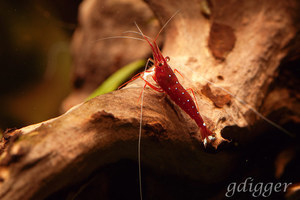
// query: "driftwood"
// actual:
[[238, 45]]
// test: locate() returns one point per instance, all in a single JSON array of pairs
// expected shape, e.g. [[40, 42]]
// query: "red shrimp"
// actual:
[[165, 77], [168, 83]]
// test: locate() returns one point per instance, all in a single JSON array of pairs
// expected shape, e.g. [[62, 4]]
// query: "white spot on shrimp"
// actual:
[[204, 124], [197, 112], [170, 75], [176, 88], [182, 93], [169, 88], [193, 106], [188, 100], [176, 82]]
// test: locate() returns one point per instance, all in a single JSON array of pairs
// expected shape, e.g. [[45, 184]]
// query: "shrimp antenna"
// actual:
[[138, 34], [120, 37], [139, 144], [141, 118], [146, 38], [162, 28]]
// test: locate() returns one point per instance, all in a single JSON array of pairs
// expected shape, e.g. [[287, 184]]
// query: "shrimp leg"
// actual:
[[138, 74], [158, 89], [132, 79], [190, 89], [176, 71]]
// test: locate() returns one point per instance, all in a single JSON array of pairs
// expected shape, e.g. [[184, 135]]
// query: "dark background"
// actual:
[[35, 59]]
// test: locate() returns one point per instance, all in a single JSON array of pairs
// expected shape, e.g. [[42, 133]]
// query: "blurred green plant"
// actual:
[[117, 78]]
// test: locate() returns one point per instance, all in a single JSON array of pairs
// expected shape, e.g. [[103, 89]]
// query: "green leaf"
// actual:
[[116, 79]]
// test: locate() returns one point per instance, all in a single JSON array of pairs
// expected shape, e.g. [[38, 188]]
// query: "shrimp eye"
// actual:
[[167, 58], [160, 64]]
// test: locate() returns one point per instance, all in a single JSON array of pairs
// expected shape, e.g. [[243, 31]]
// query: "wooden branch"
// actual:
[[238, 45]]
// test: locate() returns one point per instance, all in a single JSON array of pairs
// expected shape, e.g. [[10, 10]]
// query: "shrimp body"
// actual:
[[168, 82]]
